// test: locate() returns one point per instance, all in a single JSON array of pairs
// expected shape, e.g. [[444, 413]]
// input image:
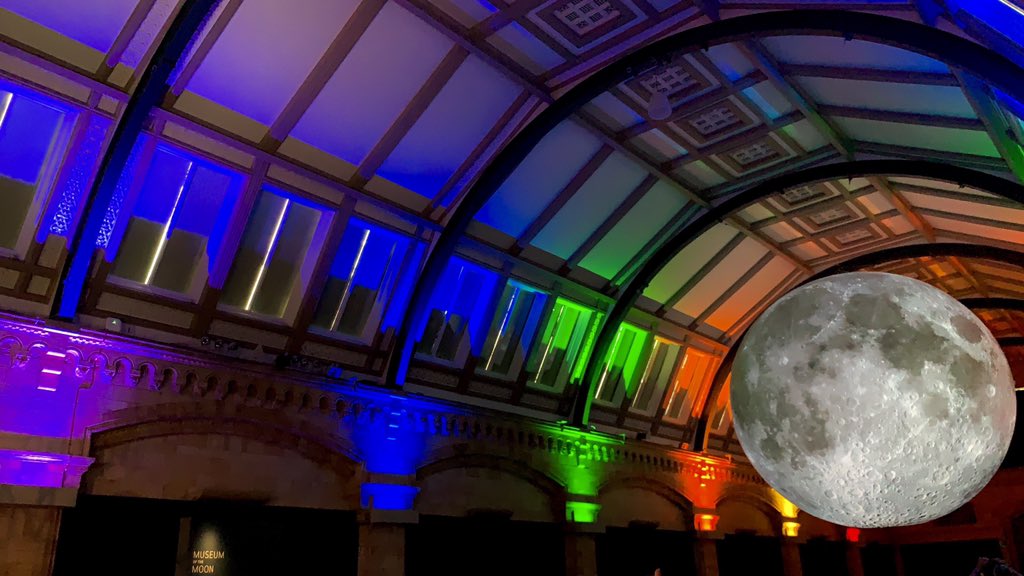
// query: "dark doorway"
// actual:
[[132, 536], [1018, 539], [1015, 454], [746, 554], [820, 557], [638, 551], [953, 558], [879, 559], [486, 544]]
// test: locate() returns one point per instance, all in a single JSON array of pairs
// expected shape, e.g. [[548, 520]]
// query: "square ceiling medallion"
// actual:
[[826, 215], [679, 80], [802, 196], [714, 122], [753, 155], [581, 24], [851, 238]]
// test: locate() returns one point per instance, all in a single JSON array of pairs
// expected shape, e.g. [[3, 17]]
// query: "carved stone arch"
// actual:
[[124, 371], [173, 419], [180, 452], [188, 382], [76, 363], [169, 378], [547, 485], [754, 499], [655, 513], [94, 369], [147, 376], [10, 348], [649, 484], [11, 343]]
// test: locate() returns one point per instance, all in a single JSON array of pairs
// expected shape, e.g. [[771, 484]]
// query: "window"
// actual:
[[721, 415], [275, 256], [176, 223], [515, 324], [457, 313], [362, 279], [563, 348], [32, 137], [661, 365], [622, 366], [690, 381]]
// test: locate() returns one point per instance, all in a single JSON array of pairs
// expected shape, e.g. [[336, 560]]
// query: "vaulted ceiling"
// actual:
[[403, 102]]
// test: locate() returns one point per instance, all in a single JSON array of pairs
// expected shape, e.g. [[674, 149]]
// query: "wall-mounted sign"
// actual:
[[203, 548]]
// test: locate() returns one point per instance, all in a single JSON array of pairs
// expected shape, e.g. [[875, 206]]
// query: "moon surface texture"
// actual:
[[873, 400]]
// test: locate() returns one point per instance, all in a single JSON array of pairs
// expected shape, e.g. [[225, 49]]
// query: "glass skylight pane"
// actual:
[[176, 223], [459, 309], [29, 132], [689, 382], [661, 365], [564, 345], [266, 273], [515, 324], [362, 279], [621, 371]]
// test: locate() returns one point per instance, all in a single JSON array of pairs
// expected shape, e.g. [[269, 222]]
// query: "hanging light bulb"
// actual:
[[659, 107]]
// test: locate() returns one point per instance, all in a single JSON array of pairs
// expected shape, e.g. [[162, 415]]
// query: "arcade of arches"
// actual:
[[386, 287]]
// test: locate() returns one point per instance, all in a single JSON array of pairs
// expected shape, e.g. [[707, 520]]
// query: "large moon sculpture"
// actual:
[[873, 400]]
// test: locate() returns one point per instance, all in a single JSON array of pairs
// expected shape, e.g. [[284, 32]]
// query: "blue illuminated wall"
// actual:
[[463, 302], [372, 270], [33, 132], [26, 133]]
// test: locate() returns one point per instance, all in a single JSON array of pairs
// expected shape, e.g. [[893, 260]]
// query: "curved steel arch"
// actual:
[[668, 250], [994, 303], [960, 249], [988, 65], [153, 85]]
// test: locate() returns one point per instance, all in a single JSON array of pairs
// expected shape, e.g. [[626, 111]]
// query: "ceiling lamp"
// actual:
[[659, 107]]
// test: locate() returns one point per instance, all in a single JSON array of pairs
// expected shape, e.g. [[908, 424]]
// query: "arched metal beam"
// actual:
[[994, 303], [668, 250], [1011, 341], [152, 87], [958, 249], [955, 51], [997, 303]]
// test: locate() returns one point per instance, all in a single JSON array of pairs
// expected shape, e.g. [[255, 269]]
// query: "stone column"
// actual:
[[28, 538], [854, 561], [897, 553], [580, 551], [381, 549], [30, 514], [705, 543], [388, 502], [705, 552], [791, 565]]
